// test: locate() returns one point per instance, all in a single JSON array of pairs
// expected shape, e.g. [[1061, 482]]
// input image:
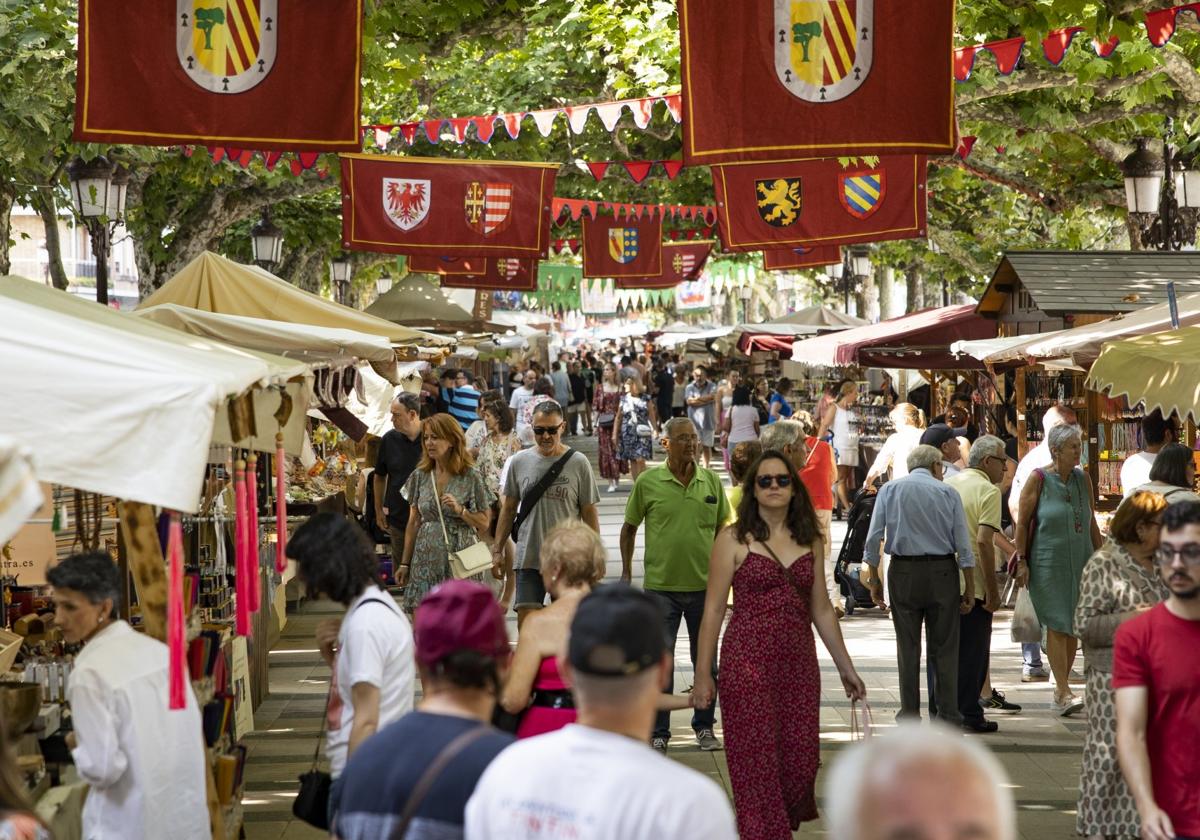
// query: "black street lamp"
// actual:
[[855, 268], [98, 195], [266, 241], [744, 294], [1163, 197], [339, 277]]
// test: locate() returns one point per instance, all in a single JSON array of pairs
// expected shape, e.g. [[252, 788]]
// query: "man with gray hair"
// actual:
[[923, 527], [978, 487], [919, 782]]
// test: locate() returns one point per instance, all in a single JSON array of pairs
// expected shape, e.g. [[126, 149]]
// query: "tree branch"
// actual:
[[1013, 181]]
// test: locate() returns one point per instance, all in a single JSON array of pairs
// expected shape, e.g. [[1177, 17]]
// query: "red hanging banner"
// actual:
[[764, 81], [784, 204], [446, 207], [504, 273], [682, 263], [427, 264], [255, 74], [785, 259], [626, 247]]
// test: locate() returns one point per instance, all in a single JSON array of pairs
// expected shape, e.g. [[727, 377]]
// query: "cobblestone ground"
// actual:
[[1041, 752]]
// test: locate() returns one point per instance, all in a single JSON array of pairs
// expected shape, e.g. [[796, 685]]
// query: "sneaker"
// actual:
[[707, 741], [1069, 706], [659, 744], [1037, 674], [980, 726], [997, 703], [612, 487]]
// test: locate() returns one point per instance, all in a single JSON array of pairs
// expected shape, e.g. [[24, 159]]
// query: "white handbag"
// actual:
[[467, 562]]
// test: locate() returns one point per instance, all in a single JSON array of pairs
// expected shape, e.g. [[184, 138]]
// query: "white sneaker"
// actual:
[[1072, 705], [612, 487]]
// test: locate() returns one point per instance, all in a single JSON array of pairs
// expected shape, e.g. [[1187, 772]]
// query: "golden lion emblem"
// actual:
[[779, 201]]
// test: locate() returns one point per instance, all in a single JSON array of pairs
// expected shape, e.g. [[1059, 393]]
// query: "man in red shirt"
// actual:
[[1156, 674]]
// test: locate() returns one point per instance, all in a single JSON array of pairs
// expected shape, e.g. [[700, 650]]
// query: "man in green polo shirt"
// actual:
[[683, 506]]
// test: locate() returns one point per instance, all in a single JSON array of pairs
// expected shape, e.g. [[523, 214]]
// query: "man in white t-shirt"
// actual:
[[1156, 433], [598, 779], [521, 395]]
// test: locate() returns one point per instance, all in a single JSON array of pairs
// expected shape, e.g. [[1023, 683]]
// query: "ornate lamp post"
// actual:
[[383, 284], [339, 277], [855, 267], [266, 241], [1162, 195], [98, 195]]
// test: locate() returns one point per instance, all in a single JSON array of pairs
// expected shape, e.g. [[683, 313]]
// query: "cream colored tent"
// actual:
[[215, 284], [1160, 370], [415, 302], [20, 493]]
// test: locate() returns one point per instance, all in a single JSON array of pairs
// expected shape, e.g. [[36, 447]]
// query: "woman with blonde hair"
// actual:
[[1119, 582], [910, 424], [845, 439], [445, 479]]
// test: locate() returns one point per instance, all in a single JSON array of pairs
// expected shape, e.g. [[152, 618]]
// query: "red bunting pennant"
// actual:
[[1160, 25], [966, 142], [674, 105], [484, 128], [672, 168], [512, 125], [598, 169], [459, 125], [296, 167], [308, 159], [964, 62], [1054, 45], [1007, 53], [638, 169], [433, 130], [1106, 48], [409, 133], [217, 153]]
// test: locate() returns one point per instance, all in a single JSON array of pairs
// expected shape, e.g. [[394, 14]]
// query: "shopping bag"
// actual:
[[861, 721], [1026, 629]]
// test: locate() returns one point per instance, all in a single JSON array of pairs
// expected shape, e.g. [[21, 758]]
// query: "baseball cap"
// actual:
[[617, 632], [459, 615], [938, 434]]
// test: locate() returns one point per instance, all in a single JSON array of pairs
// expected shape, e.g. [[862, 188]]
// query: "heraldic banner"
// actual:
[[786, 204], [504, 273], [625, 247], [446, 208], [682, 262], [244, 74], [425, 264], [772, 79], [795, 258]]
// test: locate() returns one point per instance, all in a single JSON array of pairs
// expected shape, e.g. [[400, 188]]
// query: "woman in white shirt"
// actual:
[[369, 650], [144, 763], [741, 422], [845, 439], [910, 424]]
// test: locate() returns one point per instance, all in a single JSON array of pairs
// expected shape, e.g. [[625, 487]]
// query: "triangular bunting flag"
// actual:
[[544, 120], [577, 117], [296, 167], [1106, 48], [672, 168], [512, 124], [382, 137], [964, 62], [609, 113], [484, 128], [458, 125], [409, 132], [598, 168], [1054, 45], [1007, 53], [433, 130], [591, 208], [966, 142], [245, 157], [638, 169], [643, 110], [307, 159], [674, 104]]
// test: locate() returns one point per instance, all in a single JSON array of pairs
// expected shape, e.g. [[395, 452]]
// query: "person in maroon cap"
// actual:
[[413, 778]]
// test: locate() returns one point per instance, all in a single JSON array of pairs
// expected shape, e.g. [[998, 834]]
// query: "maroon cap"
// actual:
[[459, 615]]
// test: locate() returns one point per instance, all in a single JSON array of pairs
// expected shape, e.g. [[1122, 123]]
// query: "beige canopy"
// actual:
[[1160, 370], [216, 284], [416, 302]]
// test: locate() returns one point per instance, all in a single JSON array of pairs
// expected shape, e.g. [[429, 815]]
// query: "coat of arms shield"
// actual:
[[406, 201], [226, 46], [823, 48]]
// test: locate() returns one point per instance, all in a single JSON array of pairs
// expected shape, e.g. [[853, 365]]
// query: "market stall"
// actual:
[[1157, 371], [779, 334]]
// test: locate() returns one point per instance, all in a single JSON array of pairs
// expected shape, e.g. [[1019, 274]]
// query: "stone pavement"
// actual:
[[1041, 752]]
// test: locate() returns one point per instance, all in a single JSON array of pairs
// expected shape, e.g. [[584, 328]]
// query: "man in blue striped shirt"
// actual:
[[923, 527], [462, 399]]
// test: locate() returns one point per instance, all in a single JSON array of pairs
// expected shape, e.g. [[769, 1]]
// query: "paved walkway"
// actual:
[[1040, 752]]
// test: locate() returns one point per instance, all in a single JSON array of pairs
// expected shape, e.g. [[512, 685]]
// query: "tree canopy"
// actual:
[[1044, 172]]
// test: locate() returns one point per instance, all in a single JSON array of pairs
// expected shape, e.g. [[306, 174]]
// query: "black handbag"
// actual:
[[312, 802]]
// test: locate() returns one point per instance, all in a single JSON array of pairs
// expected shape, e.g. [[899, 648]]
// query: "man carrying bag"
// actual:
[[542, 487]]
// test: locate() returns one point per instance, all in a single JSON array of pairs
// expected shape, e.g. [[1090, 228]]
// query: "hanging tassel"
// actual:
[[241, 570], [280, 505], [252, 532], [176, 635]]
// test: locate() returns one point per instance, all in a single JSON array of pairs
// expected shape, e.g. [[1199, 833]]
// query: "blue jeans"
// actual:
[[1032, 653], [688, 607]]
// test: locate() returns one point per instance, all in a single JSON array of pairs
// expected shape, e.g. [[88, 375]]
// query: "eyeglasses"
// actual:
[[545, 431], [765, 481], [1166, 554]]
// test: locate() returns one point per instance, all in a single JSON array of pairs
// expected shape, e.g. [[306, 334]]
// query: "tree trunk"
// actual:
[[914, 291], [43, 202], [884, 280], [6, 203], [864, 297]]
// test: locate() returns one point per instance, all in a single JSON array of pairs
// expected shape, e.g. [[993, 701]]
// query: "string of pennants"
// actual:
[[572, 245], [638, 170], [576, 117], [298, 162], [577, 206]]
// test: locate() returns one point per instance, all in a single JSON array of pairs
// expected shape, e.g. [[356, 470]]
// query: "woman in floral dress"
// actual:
[[500, 444], [1119, 582], [605, 406], [634, 429], [445, 470]]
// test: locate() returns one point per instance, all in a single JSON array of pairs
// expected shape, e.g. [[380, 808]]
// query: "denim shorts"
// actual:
[[530, 591]]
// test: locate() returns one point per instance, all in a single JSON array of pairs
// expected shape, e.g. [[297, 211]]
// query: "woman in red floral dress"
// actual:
[[770, 682], [605, 406]]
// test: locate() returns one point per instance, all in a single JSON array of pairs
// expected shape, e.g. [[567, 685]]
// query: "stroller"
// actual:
[[850, 558]]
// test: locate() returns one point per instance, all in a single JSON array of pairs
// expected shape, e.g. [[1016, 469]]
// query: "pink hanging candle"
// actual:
[[280, 505], [241, 553], [176, 634], [252, 532]]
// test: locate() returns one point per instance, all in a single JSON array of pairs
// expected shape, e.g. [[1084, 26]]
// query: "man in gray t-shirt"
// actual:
[[573, 495]]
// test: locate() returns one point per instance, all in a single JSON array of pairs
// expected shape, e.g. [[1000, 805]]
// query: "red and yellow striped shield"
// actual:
[[227, 46], [823, 48]]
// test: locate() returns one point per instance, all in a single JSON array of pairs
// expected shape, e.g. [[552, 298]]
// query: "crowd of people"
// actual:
[[568, 734]]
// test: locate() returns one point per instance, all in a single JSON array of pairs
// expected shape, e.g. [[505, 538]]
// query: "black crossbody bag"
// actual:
[[529, 500]]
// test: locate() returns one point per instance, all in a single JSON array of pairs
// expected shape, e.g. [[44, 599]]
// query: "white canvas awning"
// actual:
[[20, 493]]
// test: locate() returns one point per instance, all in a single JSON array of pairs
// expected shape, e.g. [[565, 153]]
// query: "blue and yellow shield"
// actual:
[[823, 48], [226, 46], [861, 193], [623, 244]]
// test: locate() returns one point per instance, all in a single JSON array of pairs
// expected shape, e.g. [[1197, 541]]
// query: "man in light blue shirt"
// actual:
[[923, 527]]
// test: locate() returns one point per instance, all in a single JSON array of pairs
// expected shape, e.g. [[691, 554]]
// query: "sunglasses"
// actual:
[[544, 431], [765, 481]]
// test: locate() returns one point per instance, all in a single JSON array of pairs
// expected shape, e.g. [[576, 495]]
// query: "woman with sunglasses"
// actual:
[[770, 682]]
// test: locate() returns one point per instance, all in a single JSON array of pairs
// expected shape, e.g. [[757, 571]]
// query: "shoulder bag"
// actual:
[[425, 783], [1033, 524], [312, 801], [530, 499], [470, 561]]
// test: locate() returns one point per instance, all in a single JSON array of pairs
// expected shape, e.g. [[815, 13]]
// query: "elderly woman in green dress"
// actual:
[[1051, 554], [1119, 582]]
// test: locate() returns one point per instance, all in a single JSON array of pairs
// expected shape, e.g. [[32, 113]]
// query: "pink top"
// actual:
[[538, 720]]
